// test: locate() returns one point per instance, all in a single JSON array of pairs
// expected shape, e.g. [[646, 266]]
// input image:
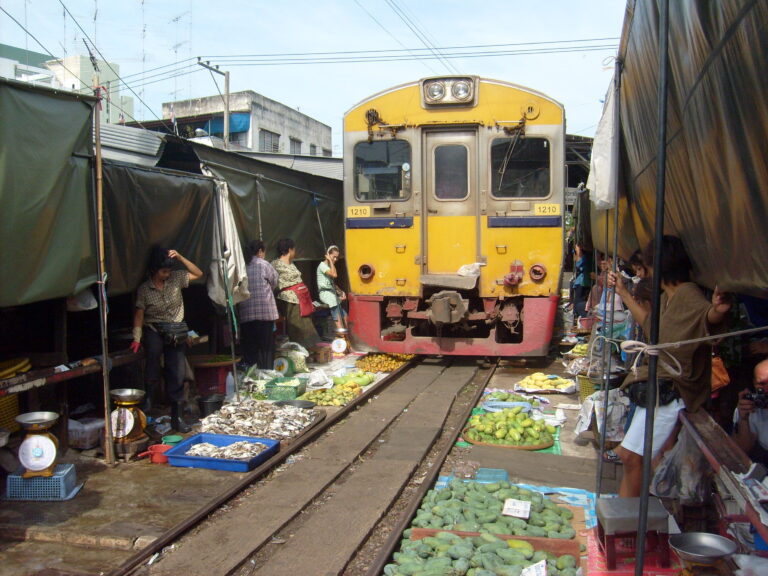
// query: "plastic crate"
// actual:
[[276, 391], [212, 379], [61, 486], [85, 433], [9, 409], [177, 455]]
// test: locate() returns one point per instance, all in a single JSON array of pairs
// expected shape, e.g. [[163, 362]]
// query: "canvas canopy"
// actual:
[[717, 177], [46, 219], [145, 207], [271, 202]]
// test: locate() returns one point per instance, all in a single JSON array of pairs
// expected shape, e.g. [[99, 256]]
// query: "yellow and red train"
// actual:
[[453, 191]]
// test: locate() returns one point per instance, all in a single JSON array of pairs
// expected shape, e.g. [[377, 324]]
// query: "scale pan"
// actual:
[[127, 395], [37, 420]]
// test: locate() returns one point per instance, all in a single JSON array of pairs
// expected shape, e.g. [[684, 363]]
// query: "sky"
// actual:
[[490, 38]]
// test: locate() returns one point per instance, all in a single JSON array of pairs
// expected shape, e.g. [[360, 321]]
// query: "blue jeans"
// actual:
[[173, 373]]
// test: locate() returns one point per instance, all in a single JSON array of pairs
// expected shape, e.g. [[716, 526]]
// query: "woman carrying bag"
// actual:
[[160, 307]]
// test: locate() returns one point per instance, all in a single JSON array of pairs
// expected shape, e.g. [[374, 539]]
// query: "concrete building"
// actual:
[[73, 73], [76, 73], [256, 123]]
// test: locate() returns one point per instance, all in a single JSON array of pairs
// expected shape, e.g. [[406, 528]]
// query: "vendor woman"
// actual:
[[160, 309], [293, 296], [684, 372]]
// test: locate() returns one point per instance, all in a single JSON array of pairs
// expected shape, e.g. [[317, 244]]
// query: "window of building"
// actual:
[[327, 152], [239, 138], [312, 150], [295, 146], [520, 167], [269, 141], [382, 170]]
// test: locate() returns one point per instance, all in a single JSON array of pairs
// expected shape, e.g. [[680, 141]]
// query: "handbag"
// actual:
[[720, 376], [173, 333], [306, 307], [638, 392]]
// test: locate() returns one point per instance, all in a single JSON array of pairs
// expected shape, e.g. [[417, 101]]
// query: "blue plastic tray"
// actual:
[[177, 455]]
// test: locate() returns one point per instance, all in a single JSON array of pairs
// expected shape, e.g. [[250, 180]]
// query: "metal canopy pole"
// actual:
[[610, 295], [656, 303]]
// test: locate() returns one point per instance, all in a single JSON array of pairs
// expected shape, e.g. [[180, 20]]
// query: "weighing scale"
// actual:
[[128, 422], [340, 344], [39, 448]]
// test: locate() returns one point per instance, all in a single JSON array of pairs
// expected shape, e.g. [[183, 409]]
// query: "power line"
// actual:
[[390, 33], [60, 61], [420, 35], [231, 61], [108, 64]]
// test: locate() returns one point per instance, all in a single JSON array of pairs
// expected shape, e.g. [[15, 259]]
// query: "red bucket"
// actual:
[[156, 453]]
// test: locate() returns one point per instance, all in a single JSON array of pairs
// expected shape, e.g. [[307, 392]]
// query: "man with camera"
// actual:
[[751, 417]]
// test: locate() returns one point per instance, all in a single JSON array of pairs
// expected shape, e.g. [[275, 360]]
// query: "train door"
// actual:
[[450, 197]]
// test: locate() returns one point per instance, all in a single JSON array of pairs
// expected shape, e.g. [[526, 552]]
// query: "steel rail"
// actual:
[[405, 517], [184, 526]]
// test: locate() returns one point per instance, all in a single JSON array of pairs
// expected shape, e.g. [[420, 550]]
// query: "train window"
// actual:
[[382, 170], [451, 172], [520, 167]]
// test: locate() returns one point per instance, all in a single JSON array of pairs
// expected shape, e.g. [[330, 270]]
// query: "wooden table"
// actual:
[[727, 460]]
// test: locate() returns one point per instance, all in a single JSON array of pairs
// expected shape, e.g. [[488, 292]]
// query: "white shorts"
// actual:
[[664, 421]]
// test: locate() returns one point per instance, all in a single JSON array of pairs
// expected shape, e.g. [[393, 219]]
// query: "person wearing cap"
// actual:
[[330, 295]]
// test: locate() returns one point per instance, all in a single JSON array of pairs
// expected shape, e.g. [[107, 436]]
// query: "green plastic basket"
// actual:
[[276, 390]]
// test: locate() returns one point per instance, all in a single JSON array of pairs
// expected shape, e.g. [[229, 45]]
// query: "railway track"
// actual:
[[335, 501]]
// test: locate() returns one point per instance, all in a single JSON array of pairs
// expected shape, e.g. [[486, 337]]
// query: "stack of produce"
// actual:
[[579, 349], [383, 362], [261, 419], [540, 382], [509, 427], [476, 507], [10, 368], [345, 388], [485, 555]]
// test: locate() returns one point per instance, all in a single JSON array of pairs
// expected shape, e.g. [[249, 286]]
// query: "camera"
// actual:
[[759, 397]]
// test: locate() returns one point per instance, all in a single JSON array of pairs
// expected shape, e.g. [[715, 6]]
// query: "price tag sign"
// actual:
[[538, 569], [516, 508]]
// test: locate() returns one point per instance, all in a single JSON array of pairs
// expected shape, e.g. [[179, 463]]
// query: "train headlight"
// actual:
[[461, 90], [435, 91], [449, 91]]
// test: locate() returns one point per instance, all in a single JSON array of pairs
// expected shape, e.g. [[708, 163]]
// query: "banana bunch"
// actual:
[[540, 382], [382, 362], [339, 395], [580, 349], [11, 368]]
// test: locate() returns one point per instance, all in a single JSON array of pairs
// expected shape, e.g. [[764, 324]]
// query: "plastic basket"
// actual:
[[9, 409], [61, 486], [275, 390], [586, 387], [177, 455]]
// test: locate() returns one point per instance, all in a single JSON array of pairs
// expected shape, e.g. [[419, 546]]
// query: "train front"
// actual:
[[453, 190]]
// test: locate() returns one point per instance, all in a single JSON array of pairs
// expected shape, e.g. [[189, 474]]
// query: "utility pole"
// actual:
[[207, 65]]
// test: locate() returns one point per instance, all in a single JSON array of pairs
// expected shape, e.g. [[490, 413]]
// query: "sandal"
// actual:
[[611, 456]]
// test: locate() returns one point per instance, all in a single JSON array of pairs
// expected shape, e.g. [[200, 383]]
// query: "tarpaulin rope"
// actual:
[[316, 203]]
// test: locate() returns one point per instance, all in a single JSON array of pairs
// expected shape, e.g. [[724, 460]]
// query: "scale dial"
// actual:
[[37, 452], [122, 422], [339, 345]]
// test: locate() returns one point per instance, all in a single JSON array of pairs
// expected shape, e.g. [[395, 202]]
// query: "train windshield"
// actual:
[[520, 167], [382, 170]]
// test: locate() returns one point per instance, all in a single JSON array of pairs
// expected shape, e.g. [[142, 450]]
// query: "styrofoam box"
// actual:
[[85, 433]]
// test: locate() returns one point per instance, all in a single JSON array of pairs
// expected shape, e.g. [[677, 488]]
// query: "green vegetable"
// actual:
[[566, 561]]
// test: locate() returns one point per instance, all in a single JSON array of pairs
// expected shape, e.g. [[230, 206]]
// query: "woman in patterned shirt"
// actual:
[[290, 286], [259, 312], [159, 301]]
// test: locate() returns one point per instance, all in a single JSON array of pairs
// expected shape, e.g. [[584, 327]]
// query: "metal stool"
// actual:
[[619, 518]]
